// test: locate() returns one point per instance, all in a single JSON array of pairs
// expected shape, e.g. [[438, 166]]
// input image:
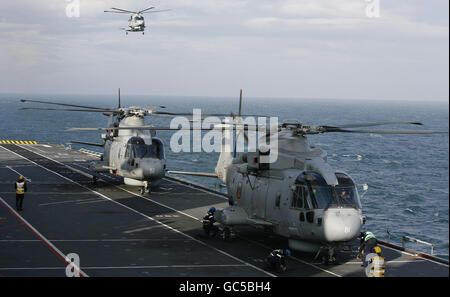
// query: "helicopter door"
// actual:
[[129, 154], [275, 202], [259, 196]]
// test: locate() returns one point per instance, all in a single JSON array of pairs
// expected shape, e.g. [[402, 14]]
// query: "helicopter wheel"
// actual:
[[331, 258], [226, 234], [94, 179], [142, 191]]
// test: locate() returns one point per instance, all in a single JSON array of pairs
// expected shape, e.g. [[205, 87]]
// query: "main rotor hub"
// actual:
[[291, 124], [136, 111]]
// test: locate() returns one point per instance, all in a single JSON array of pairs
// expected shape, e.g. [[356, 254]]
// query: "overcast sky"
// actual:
[[270, 48]]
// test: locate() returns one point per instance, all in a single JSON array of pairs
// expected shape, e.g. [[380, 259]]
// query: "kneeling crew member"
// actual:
[[21, 188], [277, 259]]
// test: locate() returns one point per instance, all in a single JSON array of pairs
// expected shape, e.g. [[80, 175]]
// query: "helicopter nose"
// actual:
[[341, 224], [152, 168]]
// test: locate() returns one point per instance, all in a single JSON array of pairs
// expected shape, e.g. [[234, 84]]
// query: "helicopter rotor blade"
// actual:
[[152, 11], [152, 107], [111, 11], [361, 125], [137, 128], [65, 104], [146, 9], [68, 109], [124, 10], [390, 131], [191, 114]]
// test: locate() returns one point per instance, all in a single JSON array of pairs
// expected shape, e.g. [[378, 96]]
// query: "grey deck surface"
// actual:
[[117, 232]]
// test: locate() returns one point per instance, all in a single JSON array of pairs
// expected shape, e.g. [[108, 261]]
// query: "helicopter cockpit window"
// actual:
[[346, 192], [136, 148], [301, 198], [156, 149], [129, 152], [320, 194]]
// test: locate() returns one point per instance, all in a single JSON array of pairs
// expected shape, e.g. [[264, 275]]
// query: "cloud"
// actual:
[[215, 46]]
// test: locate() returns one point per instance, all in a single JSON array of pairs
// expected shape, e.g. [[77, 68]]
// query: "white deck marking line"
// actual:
[[138, 195], [169, 180], [133, 210], [94, 240], [129, 267], [10, 168], [128, 191], [27, 165], [393, 261], [415, 256], [41, 237], [40, 149], [71, 201], [50, 193], [199, 189]]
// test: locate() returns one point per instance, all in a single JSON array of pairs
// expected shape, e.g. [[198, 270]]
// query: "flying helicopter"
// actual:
[[131, 148], [299, 196], [136, 21]]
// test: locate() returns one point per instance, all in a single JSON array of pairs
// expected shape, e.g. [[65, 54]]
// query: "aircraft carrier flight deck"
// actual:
[[115, 231]]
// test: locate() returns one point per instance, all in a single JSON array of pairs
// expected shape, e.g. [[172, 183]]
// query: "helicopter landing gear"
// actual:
[[126, 32], [226, 233], [328, 258], [143, 33], [146, 188]]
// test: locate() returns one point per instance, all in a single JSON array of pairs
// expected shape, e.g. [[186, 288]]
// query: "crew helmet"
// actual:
[[377, 250]]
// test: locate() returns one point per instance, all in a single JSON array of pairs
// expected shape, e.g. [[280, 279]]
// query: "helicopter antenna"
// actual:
[[119, 98]]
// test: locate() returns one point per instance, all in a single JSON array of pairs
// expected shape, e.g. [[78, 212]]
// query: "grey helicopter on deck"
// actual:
[[299, 196], [130, 147], [135, 155], [136, 22]]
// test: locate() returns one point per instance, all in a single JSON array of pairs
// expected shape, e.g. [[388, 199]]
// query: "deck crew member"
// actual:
[[208, 223], [277, 259], [378, 265], [21, 188], [368, 243]]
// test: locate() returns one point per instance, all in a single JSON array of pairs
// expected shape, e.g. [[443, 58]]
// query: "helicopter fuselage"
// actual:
[[136, 23], [136, 155], [299, 197]]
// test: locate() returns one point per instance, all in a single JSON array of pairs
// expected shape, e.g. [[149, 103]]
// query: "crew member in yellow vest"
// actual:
[[21, 188], [378, 265]]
